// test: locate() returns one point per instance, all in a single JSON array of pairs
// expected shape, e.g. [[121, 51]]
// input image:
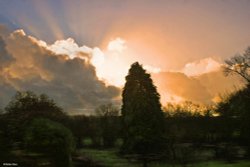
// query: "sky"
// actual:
[[182, 43]]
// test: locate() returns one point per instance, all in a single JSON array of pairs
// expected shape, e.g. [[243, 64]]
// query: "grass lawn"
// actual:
[[109, 158]]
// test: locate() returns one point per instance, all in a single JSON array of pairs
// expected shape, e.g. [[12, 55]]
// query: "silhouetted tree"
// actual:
[[25, 106], [236, 109], [187, 109], [143, 119], [240, 65], [108, 123]]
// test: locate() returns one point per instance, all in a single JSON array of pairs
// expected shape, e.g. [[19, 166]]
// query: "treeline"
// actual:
[[33, 123]]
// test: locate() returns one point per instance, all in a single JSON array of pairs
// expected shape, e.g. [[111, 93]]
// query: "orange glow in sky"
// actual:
[[188, 39]]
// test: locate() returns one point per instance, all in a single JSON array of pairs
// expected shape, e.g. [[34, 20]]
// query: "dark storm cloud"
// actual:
[[71, 82]]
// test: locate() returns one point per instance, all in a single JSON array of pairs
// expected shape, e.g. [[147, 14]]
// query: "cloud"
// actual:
[[69, 47], [5, 57], [4, 30], [152, 69], [201, 67], [177, 86], [104, 61], [62, 70], [5, 60], [180, 85], [98, 57], [117, 44]]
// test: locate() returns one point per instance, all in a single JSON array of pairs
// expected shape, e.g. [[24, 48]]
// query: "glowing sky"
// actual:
[[174, 31], [182, 37]]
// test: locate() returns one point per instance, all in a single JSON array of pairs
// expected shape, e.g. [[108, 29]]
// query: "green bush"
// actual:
[[51, 139]]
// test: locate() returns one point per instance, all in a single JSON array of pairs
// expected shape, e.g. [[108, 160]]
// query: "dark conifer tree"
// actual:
[[143, 119]]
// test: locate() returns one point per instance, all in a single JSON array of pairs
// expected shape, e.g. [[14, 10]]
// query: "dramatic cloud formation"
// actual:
[[205, 88], [62, 70], [70, 47], [5, 60], [79, 77], [187, 88]]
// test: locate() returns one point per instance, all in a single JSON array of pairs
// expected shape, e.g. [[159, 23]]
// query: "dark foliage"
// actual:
[[5, 144], [143, 119], [79, 125], [237, 107], [26, 106], [51, 139]]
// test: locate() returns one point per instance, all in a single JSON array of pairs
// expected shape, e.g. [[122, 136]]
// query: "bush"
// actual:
[[51, 139]]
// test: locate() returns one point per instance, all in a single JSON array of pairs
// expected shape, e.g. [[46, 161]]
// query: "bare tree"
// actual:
[[106, 110], [240, 65]]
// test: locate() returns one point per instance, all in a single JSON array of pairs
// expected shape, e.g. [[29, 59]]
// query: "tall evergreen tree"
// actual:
[[143, 119]]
